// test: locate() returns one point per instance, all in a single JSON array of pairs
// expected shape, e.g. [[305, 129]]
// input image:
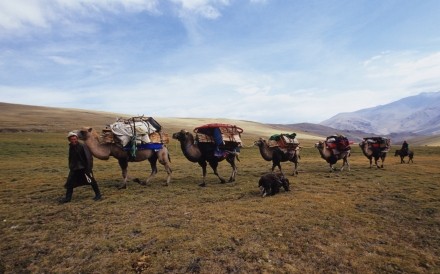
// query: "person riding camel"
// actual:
[[405, 147]]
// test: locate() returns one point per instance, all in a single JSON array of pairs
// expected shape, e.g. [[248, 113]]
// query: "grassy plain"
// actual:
[[362, 221]]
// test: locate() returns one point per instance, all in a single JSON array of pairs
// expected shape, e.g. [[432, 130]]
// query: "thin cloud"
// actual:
[[255, 60], [406, 71], [19, 14], [22, 14]]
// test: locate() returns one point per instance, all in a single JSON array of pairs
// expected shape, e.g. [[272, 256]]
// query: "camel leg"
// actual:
[[234, 172], [332, 168], [297, 157], [295, 169], [164, 158], [295, 166], [123, 163], [214, 165], [371, 162], [343, 165], [274, 165], [345, 162], [169, 171], [231, 161], [153, 164], [203, 165]]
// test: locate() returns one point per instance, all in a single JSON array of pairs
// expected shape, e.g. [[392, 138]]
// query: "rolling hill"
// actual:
[[16, 118], [25, 118]]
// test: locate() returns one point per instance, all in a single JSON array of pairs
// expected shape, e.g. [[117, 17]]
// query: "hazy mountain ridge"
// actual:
[[414, 115], [25, 118]]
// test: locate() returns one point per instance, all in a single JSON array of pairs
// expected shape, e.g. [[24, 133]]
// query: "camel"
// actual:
[[328, 155], [276, 155], [402, 155], [371, 152], [104, 151], [203, 153]]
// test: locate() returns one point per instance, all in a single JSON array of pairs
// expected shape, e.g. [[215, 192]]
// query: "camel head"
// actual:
[[85, 133], [259, 142], [319, 145], [181, 135], [362, 144]]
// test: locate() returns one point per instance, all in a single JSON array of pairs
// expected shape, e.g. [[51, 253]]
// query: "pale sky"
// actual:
[[270, 61]]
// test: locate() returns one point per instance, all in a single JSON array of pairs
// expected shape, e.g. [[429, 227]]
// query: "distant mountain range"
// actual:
[[411, 116], [415, 118]]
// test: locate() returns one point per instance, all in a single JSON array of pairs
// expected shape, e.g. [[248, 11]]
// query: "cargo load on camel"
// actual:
[[338, 143], [225, 136], [135, 133], [284, 141], [381, 143]]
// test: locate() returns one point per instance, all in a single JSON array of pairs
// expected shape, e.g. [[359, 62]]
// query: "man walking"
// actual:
[[80, 168]]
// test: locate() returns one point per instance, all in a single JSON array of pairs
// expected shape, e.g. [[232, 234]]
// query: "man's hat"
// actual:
[[70, 134]]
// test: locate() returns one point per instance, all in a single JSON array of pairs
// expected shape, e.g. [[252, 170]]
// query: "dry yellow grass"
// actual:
[[362, 221]]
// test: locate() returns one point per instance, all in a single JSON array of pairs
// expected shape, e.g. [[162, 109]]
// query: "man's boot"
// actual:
[[68, 197], [96, 190]]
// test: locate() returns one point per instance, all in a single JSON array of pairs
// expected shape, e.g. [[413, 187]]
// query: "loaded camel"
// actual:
[[373, 152], [329, 156], [104, 151], [402, 155], [203, 153], [276, 155]]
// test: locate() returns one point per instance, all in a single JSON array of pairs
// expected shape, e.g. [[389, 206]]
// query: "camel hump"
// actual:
[[338, 142], [284, 140], [382, 143], [220, 134], [135, 125], [222, 127], [140, 128]]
